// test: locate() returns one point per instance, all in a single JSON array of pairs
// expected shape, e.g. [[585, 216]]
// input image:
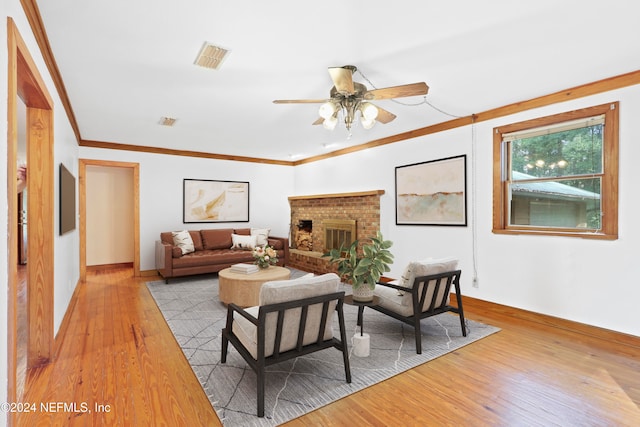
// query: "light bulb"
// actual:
[[368, 111], [367, 124], [327, 110], [330, 122]]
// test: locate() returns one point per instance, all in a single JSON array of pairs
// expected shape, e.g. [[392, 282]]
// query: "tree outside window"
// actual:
[[558, 175]]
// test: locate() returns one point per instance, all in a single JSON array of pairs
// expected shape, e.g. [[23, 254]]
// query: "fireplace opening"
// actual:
[[304, 235], [338, 232]]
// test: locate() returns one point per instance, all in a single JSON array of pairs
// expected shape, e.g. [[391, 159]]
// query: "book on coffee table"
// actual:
[[244, 268]]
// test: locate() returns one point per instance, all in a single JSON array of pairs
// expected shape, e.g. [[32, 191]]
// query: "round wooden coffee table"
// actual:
[[244, 289]]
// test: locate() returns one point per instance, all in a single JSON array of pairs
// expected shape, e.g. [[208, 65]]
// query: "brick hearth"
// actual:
[[364, 207]]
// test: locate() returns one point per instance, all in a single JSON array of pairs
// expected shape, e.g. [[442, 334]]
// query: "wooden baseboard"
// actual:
[[556, 322], [148, 273], [109, 266], [64, 325]]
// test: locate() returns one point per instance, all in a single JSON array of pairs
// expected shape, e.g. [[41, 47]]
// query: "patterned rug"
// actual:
[[196, 318]]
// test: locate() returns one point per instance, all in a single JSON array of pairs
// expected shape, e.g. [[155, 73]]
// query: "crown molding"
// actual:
[[35, 21]]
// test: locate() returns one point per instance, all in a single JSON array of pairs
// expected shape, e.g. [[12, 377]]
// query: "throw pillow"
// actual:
[[425, 267], [243, 242], [262, 234], [182, 239]]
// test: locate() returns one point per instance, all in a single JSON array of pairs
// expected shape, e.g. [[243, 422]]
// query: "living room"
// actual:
[[558, 276]]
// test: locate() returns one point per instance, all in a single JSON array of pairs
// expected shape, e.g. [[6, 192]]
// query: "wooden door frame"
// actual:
[[25, 82], [82, 173]]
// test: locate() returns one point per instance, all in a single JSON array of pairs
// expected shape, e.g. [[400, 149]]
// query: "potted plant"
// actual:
[[363, 268]]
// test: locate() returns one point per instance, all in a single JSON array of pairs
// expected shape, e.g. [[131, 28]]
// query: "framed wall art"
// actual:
[[432, 192], [215, 201]]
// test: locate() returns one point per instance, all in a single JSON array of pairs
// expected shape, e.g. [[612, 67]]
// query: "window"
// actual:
[[558, 175]]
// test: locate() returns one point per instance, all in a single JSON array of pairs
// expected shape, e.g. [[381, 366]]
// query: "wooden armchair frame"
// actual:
[[259, 364], [418, 298]]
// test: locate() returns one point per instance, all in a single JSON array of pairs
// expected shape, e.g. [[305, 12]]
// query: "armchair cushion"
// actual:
[[283, 291], [402, 302]]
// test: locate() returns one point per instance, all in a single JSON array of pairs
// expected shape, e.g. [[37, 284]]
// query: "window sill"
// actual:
[[578, 234]]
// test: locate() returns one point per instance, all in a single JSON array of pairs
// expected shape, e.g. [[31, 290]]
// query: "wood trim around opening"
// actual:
[[83, 163], [26, 83]]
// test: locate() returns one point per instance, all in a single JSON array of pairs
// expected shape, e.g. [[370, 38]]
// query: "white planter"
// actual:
[[363, 293]]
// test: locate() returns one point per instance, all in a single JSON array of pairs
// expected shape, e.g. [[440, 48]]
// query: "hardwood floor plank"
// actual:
[[119, 352]]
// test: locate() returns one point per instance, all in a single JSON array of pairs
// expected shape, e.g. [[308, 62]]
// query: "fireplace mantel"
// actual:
[[337, 195]]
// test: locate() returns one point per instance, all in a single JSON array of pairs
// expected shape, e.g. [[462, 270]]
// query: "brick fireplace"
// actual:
[[310, 215]]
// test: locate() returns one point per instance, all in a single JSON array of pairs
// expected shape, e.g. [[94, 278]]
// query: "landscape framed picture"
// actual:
[[215, 201], [432, 192]]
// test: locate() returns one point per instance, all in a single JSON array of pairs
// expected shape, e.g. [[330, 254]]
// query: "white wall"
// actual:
[[161, 178], [109, 211], [66, 268], [584, 280]]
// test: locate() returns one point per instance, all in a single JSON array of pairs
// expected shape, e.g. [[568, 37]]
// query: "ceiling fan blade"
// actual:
[[318, 122], [412, 89], [300, 101], [342, 79], [384, 116]]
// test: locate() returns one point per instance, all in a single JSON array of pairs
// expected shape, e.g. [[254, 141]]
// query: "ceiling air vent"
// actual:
[[211, 56], [167, 121]]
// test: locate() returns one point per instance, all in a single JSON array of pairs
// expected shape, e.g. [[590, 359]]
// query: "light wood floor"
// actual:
[[119, 353]]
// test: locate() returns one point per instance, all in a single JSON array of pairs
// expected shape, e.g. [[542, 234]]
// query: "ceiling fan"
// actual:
[[350, 97]]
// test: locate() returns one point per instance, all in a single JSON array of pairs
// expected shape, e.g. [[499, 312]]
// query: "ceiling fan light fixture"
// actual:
[[330, 122], [368, 111], [327, 110], [366, 123]]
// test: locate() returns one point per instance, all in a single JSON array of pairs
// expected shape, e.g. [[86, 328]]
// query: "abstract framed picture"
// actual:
[[215, 201], [432, 192]]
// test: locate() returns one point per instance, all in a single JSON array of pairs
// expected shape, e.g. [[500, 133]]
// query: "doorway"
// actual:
[[26, 85], [133, 211]]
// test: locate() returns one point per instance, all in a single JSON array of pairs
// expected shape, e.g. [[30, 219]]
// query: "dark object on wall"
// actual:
[[67, 200]]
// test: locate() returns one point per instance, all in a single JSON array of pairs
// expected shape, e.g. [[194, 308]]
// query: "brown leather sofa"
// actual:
[[212, 252]]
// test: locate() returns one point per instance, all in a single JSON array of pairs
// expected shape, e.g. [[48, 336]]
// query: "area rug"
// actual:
[[196, 317]]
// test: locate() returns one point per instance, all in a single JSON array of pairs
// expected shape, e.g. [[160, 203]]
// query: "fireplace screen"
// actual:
[[338, 232]]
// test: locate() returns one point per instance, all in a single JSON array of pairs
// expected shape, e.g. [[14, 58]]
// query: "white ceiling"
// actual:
[[127, 63]]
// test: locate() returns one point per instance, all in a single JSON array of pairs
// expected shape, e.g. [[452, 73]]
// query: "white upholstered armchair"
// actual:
[[423, 291], [294, 318]]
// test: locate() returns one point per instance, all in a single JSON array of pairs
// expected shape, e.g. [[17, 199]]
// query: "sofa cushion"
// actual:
[[262, 235], [212, 257], [176, 252], [217, 238], [276, 244], [243, 242], [243, 231], [288, 290], [197, 239], [182, 239], [167, 237]]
